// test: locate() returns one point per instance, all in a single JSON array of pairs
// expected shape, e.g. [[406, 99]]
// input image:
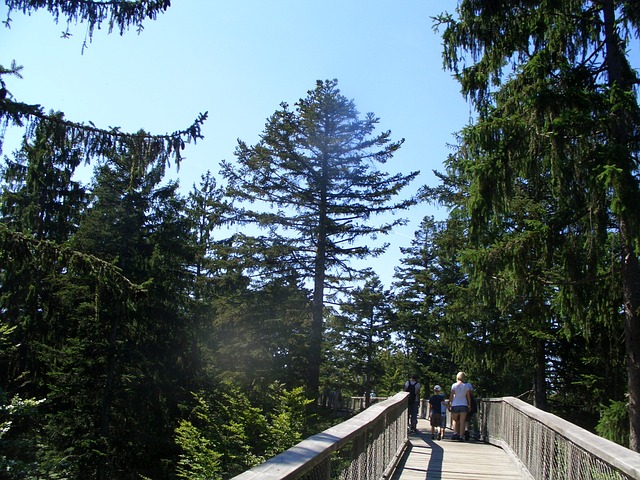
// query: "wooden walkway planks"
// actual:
[[427, 459]]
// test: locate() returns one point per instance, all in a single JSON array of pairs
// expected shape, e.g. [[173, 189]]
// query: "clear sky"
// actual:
[[239, 60]]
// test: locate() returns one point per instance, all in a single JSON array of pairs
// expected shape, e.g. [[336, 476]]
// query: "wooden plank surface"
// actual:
[[427, 459]]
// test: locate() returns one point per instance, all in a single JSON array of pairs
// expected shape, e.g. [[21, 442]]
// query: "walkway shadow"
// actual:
[[427, 458], [436, 459]]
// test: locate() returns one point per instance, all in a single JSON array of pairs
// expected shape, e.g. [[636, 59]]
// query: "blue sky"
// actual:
[[239, 60]]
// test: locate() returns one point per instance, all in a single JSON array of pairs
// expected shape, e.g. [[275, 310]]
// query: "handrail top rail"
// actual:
[[310, 451], [614, 454]]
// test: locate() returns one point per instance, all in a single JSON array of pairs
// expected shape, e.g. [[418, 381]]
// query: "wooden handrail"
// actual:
[[389, 417], [520, 429]]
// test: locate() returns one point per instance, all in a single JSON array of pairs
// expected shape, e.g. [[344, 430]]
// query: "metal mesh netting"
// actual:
[[368, 455], [543, 452]]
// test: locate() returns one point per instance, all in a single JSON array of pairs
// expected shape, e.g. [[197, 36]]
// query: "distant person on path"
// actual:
[[413, 387], [434, 413], [473, 407], [459, 403], [444, 408]]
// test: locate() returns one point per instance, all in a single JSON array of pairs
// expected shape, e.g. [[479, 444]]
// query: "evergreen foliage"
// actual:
[[18, 458], [312, 181], [94, 141], [357, 335], [551, 166], [614, 422], [226, 433], [121, 14], [262, 335]]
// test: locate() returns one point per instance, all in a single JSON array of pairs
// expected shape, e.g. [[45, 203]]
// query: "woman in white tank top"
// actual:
[[459, 403]]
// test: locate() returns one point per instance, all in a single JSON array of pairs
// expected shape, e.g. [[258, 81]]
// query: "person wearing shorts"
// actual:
[[459, 403], [435, 413]]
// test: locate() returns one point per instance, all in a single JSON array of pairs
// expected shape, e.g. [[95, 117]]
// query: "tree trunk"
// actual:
[[631, 297], [540, 387], [317, 308], [317, 325], [107, 393]]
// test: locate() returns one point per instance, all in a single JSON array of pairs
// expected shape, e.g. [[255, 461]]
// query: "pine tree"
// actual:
[[361, 332], [142, 344], [261, 334], [210, 270], [556, 102], [313, 180], [91, 142], [39, 201], [425, 306], [73, 308]]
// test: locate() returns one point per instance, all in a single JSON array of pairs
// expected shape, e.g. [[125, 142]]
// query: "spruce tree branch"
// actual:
[[118, 13], [98, 141], [21, 247]]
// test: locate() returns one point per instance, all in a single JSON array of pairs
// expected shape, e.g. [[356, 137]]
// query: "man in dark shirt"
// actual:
[[413, 387]]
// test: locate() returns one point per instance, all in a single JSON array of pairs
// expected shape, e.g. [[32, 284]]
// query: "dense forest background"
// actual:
[[143, 338]]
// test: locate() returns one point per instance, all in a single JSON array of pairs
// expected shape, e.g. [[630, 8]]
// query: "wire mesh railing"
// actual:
[[548, 447], [357, 404], [365, 447]]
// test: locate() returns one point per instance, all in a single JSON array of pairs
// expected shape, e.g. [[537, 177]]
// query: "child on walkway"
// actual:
[[434, 413]]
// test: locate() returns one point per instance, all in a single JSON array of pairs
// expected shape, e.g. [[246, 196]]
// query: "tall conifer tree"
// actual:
[[313, 179], [141, 346], [360, 332], [556, 99]]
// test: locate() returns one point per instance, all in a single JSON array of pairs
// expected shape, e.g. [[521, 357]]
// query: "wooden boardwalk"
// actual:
[[427, 459]]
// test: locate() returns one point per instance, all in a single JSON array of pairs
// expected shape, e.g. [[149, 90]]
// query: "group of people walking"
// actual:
[[460, 403]]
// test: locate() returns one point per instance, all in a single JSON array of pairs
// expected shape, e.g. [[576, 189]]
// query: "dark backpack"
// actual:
[[411, 388]]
